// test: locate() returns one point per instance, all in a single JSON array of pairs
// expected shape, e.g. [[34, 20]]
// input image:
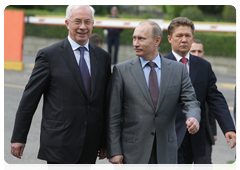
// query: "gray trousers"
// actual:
[[152, 164]]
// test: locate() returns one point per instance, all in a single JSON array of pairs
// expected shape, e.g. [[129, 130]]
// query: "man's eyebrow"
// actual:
[[84, 20]]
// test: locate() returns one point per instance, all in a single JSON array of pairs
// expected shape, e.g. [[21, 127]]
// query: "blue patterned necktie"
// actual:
[[85, 72]]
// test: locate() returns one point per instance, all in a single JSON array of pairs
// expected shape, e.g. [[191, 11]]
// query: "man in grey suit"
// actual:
[[141, 118]]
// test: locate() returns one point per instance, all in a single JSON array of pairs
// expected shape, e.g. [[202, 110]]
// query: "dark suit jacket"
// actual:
[[67, 113], [204, 83], [211, 128]]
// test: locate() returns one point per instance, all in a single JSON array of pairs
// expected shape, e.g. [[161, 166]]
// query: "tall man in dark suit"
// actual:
[[144, 93], [180, 36], [197, 49], [73, 83]]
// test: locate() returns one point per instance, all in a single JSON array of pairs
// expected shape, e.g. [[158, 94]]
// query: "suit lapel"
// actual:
[[171, 56], [94, 67], [139, 77], [194, 68], [166, 73], [68, 56]]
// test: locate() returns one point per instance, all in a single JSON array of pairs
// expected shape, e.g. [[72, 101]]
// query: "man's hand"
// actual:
[[102, 153], [17, 149], [116, 159], [192, 125], [231, 135], [215, 138]]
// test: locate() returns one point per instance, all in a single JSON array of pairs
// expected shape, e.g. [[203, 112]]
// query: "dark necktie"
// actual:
[[85, 72], [184, 61], [153, 84]]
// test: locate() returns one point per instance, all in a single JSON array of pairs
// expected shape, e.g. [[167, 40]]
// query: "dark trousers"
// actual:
[[153, 157], [113, 40], [77, 166], [185, 153], [207, 159]]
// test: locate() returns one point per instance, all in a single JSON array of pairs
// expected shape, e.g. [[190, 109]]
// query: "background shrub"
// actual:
[[218, 44], [215, 44], [193, 13], [229, 13], [173, 11]]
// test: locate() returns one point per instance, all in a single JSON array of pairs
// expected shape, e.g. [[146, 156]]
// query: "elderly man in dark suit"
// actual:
[[181, 36], [72, 76], [144, 93]]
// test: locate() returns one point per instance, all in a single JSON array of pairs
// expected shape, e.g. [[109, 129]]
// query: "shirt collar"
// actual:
[[76, 45], [157, 61], [178, 57]]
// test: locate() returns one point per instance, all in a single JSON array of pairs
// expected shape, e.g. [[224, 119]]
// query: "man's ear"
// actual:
[[158, 40], [67, 24], [169, 38]]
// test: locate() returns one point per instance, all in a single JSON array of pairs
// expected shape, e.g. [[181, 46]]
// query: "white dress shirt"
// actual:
[[178, 58], [76, 51]]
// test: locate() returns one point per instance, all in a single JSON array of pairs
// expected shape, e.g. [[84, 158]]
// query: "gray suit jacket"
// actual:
[[132, 120]]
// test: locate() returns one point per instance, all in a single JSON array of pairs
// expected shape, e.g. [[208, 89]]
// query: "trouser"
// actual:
[[153, 157], [185, 153], [205, 163]]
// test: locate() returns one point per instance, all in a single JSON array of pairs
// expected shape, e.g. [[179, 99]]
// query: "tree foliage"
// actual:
[[193, 13], [211, 9], [229, 13]]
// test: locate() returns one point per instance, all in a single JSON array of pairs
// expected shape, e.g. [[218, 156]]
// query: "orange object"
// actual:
[[14, 26]]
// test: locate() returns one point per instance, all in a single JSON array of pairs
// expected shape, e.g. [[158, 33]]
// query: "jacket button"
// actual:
[[88, 106], [152, 133], [85, 123]]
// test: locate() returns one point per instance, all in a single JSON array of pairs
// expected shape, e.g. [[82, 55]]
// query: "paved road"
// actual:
[[14, 83]]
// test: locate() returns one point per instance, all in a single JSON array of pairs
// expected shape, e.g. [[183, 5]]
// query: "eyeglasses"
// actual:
[[79, 22]]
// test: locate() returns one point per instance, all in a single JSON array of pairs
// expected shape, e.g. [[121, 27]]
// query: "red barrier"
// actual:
[[13, 39]]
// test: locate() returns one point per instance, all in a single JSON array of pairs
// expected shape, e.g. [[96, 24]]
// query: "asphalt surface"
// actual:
[[14, 83]]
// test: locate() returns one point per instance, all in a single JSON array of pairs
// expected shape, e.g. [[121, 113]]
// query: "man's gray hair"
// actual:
[[71, 7]]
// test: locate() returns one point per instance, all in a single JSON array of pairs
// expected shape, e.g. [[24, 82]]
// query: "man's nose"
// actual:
[[184, 39], [135, 42], [82, 25]]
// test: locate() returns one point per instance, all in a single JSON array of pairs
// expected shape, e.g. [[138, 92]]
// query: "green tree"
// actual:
[[211, 9], [173, 11], [229, 13], [193, 13]]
